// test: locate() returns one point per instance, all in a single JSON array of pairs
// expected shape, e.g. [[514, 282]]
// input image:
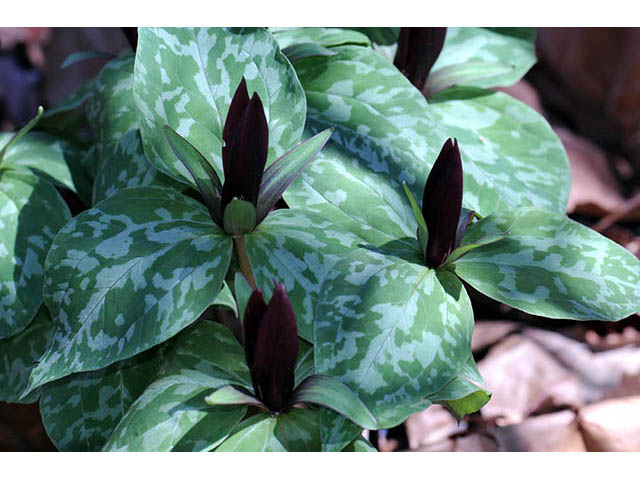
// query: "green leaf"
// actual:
[[31, 213], [360, 445], [286, 169], [482, 57], [551, 266], [392, 330], [298, 430], [336, 431], [242, 291], [127, 275], [510, 154], [330, 393], [229, 395], [225, 299], [127, 167], [304, 365], [77, 57], [18, 356], [185, 78], [51, 158], [81, 411], [298, 249], [239, 217], [299, 51], [171, 414], [423, 234], [203, 174], [255, 434], [324, 37], [380, 35]]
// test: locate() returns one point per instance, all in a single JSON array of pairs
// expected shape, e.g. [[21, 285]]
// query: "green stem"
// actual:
[[243, 260], [23, 131]]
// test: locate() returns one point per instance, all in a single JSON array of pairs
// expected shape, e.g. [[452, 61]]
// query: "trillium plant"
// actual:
[[275, 229]]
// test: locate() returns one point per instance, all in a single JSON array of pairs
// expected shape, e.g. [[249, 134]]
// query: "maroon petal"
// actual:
[[418, 50], [238, 105], [248, 155], [442, 204], [253, 314], [275, 353]]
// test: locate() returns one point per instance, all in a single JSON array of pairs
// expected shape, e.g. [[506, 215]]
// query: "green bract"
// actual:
[[125, 321]]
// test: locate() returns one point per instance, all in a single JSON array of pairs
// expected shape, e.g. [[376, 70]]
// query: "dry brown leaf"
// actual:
[[486, 333], [612, 425], [553, 432], [524, 92], [432, 426]]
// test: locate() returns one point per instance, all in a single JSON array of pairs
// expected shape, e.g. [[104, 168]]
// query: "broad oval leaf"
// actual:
[[31, 213], [171, 414], [551, 266], [298, 249], [127, 275], [19, 354], [483, 57], [185, 78], [79, 412], [394, 331]]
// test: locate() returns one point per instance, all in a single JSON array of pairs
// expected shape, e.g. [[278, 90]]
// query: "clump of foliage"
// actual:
[[277, 226]]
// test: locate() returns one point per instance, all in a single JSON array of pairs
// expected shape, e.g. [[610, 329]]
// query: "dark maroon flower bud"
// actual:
[[244, 155], [418, 50], [271, 347], [442, 204]]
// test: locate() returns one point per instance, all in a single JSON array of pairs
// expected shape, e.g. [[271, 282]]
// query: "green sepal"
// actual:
[[23, 131], [423, 233], [229, 395], [239, 217]]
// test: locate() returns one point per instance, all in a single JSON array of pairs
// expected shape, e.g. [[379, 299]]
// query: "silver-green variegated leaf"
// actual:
[[336, 431], [50, 157], [393, 330], [511, 156], [31, 213], [81, 411], [126, 166], [483, 57], [254, 434], [19, 354], [172, 413], [298, 249], [551, 266], [127, 275], [325, 37], [298, 430], [186, 77]]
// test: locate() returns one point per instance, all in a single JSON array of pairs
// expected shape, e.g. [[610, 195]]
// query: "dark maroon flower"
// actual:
[[271, 347], [244, 155], [418, 49], [442, 204]]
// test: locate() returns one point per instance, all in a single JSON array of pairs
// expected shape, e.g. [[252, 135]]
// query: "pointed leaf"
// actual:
[[31, 213], [20, 133], [423, 234], [77, 57], [19, 354], [225, 299], [286, 169], [360, 445], [326, 37], [229, 395], [551, 266], [298, 430], [239, 217], [145, 256], [201, 171], [330, 393], [255, 434], [171, 414], [299, 51], [186, 77]]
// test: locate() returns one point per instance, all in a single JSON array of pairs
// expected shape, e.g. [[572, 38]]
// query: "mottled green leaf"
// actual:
[[126, 275], [325, 37], [299, 51], [298, 249], [336, 431], [393, 330], [185, 78], [19, 354], [298, 430], [255, 434], [330, 393], [510, 154], [80, 411], [31, 213], [171, 414], [77, 57], [380, 35], [304, 365], [551, 266], [482, 57]]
